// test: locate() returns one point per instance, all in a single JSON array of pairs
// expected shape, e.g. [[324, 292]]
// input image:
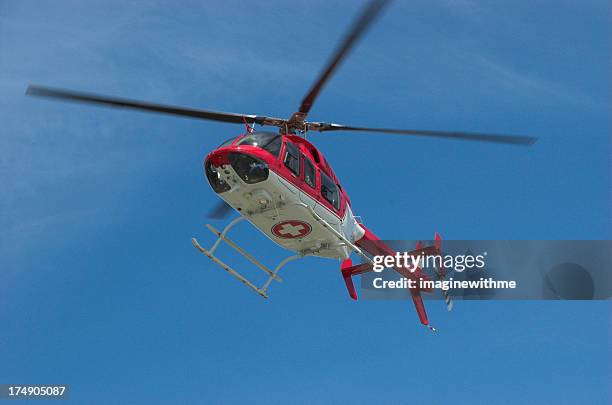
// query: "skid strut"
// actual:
[[222, 237]]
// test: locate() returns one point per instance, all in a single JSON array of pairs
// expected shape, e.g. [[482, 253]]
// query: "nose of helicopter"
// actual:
[[221, 167]]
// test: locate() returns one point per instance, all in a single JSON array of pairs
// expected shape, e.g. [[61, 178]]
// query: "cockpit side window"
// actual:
[[265, 140], [292, 158], [329, 191], [310, 174]]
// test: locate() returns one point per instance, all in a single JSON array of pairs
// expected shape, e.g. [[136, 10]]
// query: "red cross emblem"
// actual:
[[291, 229]]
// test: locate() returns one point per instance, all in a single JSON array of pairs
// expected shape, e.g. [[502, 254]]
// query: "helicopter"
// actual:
[[284, 186]]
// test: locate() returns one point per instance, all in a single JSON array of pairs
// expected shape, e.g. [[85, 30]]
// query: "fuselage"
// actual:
[[277, 182], [284, 186]]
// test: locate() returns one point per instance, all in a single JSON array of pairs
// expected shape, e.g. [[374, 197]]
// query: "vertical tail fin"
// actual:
[[345, 267], [374, 246]]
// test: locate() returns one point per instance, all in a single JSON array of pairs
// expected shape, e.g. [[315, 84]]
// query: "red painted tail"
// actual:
[[374, 246]]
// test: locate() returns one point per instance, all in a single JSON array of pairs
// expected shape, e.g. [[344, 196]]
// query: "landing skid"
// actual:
[[222, 237]]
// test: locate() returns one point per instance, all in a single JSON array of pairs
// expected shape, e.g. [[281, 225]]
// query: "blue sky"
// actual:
[[101, 288]]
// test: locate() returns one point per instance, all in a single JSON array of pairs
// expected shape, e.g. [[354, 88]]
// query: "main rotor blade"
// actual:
[[69, 95], [464, 136], [220, 210], [369, 13]]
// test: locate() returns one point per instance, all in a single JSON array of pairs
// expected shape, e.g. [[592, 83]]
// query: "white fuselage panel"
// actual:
[[282, 212]]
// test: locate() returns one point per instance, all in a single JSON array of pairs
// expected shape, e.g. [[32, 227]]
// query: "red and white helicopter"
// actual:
[[283, 185]]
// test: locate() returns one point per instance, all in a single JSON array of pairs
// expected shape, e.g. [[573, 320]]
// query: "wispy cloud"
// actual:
[[531, 85]]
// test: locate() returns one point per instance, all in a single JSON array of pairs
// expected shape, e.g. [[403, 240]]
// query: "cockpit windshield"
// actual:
[[266, 140], [226, 143]]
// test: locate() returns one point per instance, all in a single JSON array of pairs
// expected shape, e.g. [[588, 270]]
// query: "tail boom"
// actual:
[[375, 246]]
